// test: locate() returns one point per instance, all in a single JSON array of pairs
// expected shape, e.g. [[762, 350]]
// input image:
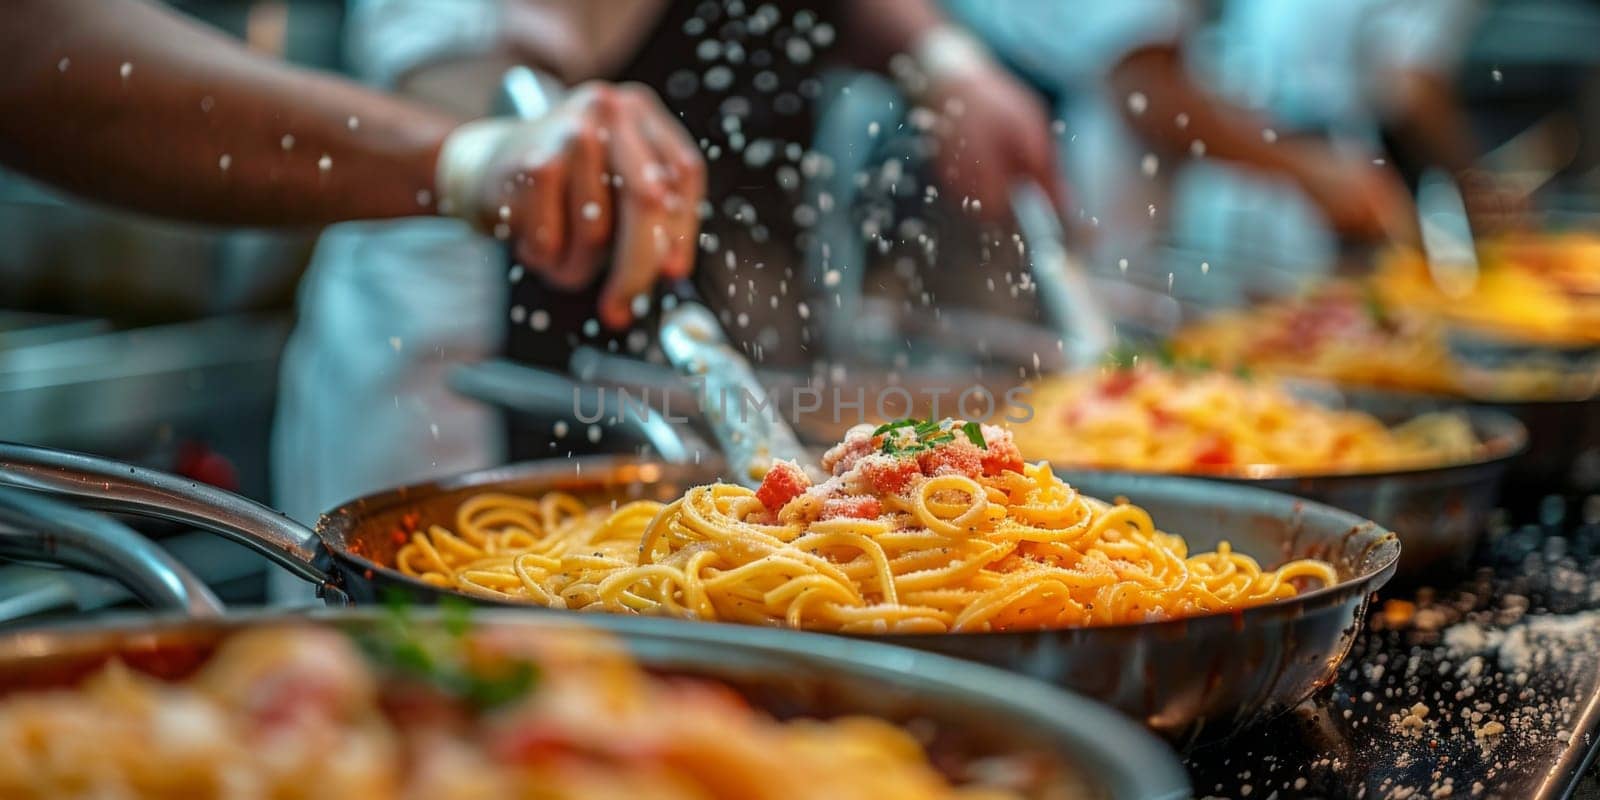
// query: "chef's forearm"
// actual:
[[877, 30], [1173, 113], [123, 102], [1422, 109]]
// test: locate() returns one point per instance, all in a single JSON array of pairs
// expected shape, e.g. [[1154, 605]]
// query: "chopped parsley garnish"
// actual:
[[1372, 303], [437, 656], [911, 436], [1127, 356], [974, 433]]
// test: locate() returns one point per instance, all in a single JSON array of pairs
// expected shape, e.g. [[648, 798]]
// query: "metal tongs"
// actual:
[[1447, 240], [749, 428], [1064, 290]]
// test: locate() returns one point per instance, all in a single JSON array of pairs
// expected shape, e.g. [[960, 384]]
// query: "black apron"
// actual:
[[712, 63]]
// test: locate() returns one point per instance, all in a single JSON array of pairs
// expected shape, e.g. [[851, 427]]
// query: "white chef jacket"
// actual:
[[1308, 65], [385, 310]]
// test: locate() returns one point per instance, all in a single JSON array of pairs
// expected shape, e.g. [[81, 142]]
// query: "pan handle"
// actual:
[[115, 486], [36, 528]]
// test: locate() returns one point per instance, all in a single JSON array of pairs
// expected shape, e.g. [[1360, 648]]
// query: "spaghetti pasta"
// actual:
[[1153, 419], [919, 529], [1394, 332], [1337, 332]]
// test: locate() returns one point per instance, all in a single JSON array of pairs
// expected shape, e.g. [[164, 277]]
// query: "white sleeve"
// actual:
[[1071, 44], [385, 39], [1427, 35]]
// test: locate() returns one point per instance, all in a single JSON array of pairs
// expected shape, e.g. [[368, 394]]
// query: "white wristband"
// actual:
[[947, 51], [464, 159]]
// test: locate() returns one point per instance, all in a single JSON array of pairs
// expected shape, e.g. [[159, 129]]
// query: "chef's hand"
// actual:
[[608, 165], [992, 131], [1362, 200], [1493, 205]]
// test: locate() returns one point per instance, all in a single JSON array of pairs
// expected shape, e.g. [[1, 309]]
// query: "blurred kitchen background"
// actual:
[[159, 343]]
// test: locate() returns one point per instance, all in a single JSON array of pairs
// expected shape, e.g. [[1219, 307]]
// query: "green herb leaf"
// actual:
[[889, 426], [492, 691], [974, 433], [925, 435], [456, 614], [1123, 356], [437, 655], [1372, 303]]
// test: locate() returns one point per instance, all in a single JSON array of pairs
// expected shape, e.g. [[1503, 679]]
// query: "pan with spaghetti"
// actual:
[[940, 537], [500, 704], [1389, 360], [1433, 478], [1189, 670]]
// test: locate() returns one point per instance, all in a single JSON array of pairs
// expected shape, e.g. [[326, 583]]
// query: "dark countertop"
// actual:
[[1488, 686]]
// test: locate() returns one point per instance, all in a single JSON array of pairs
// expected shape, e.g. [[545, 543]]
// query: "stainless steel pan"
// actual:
[[972, 713], [1563, 438], [1187, 679]]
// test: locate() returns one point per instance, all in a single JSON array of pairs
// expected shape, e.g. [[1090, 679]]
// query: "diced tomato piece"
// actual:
[[1119, 382], [292, 699], [1161, 417], [535, 743], [784, 482], [1002, 455], [853, 507], [888, 475], [1217, 453], [956, 458]]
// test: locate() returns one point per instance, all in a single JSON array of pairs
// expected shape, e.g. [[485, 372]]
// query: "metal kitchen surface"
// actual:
[[1490, 688]]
